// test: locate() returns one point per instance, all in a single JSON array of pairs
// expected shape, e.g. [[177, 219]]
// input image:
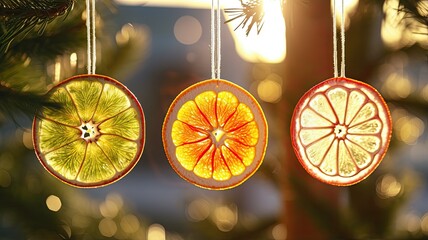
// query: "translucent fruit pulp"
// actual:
[[212, 137], [340, 130], [97, 135]]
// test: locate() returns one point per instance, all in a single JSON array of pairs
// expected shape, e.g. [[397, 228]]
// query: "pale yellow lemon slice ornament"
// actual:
[[340, 131]]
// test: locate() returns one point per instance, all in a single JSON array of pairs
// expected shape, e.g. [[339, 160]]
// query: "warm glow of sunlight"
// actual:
[[168, 3], [350, 6], [399, 31], [269, 45]]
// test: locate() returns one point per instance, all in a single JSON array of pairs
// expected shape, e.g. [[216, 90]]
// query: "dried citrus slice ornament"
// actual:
[[96, 137], [340, 131], [215, 134]]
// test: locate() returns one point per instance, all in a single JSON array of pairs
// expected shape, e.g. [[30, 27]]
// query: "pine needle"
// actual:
[[415, 9], [14, 104], [252, 13], [21, 16]]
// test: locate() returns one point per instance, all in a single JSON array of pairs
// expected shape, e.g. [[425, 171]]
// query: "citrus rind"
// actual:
[[96, 137], [340, 131], [215, 134]]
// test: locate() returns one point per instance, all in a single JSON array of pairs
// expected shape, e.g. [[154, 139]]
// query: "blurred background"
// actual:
[[157, 48]]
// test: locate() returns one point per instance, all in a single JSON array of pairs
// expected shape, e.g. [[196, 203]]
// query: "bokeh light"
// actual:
[[110, 207], [125, 34], [187, 30], [27, 139], [198, 210], [270, 89], [130, 223], [399, 31], [407, 128], [387, 186], [279, 232], [156, 232], [107, 227], [350, 6], [73, 60], [397, 86], [412, 222], [225, 217], [53, 203]]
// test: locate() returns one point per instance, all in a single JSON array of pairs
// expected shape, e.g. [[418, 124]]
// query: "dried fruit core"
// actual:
[[218, 134], [90, 131], [340, 131]]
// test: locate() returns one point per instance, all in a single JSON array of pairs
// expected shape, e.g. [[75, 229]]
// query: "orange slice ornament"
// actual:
[[340, 131], [215, 134], [96, 137]]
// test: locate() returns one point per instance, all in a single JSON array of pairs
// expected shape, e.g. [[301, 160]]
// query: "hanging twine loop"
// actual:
[[342, 40], [91, 38], [215, 40]]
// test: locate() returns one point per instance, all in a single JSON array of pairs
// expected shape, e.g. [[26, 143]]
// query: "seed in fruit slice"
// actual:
[[341, 130], [96, 137], [215, 134]]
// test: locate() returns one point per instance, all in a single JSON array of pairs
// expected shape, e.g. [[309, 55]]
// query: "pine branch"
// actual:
[[252, 13], [15, 103], [21, 16], [416, 9], [57, 40]]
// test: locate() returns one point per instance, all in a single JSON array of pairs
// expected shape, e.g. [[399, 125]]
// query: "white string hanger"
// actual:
[[215, 39], [342, 39], [91, 38]]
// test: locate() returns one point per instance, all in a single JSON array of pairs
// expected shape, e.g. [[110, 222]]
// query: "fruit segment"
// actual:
[[191, 154], [340, 131], [111, 102], [338, 100], [227, 105], [125, 124], [67, 114], [206, 103], [86, 95], [67, 160], [243, 152], [96, 166], [233, 160], [204, 164], [247, 133], [55, 133], [356, 100], [183, 133], [242, 115], [119, 151], [191, 114], [321, 107], [221, 169]]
